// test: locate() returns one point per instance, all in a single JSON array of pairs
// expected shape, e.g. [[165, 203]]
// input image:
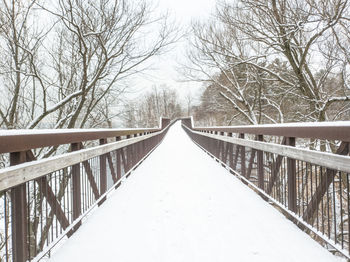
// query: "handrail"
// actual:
[[337, 130], [15, 175], [329, 160], [26, 139]]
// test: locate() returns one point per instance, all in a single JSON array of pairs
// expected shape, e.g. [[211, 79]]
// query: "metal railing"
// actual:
[[310, 186], [42, 201]]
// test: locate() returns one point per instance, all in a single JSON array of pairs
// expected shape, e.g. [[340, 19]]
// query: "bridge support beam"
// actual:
[[328, 177]]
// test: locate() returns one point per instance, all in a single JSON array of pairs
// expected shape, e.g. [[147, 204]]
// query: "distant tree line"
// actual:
[[146, 110]]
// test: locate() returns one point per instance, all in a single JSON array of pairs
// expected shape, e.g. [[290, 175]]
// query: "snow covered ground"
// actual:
[[180, 205]]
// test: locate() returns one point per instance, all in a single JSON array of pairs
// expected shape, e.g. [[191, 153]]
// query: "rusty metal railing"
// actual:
[[45, 200], [303, 169]]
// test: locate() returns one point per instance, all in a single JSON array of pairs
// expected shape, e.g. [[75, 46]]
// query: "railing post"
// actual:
[[119, 163], [76, 182], [135, 152], [243, 164], [230, 156], [128, 155], [103, 170], [143, 148], [260, 164], [221, 147], [291, 173], [19, 214], [217, 146]]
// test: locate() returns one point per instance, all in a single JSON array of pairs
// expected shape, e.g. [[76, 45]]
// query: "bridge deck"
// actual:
[[180, 205]]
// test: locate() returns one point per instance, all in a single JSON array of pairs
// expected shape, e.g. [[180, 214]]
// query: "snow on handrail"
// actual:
[[336, 130]]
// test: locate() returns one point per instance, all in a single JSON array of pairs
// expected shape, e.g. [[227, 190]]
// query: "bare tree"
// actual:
[[20, 43], [242, 85], [250, 36], [189, 103], [104, 39], [57, 73]]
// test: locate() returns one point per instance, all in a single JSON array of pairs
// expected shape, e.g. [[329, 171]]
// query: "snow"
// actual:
[[180, 205]]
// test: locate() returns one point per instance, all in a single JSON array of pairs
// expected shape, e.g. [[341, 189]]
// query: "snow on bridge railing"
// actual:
[[302, 168], [44, 200]]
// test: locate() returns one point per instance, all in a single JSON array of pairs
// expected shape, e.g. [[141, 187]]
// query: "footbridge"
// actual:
[[176, 193]]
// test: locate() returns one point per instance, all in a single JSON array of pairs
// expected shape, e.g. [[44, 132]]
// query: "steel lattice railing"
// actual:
[[45, 200], [310, 186]]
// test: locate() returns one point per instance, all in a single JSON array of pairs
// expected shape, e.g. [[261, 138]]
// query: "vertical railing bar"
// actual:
[[260, 165], [46, 216], [89, 191], [348, 209], [291, 177], [62, 201], [68, 193], [307, 188], [52, 208], [87, 186], [76, 188], [322, 207], [297, 187], [236, 157], [317, 207], [84, 188], [275, 188], [341, 209], [311, 189], [28, 221], [56, 204], [281, 182], [41, 210], [103, 170], [6, 222], [284, 191], [302, 189], [328, 213], [243, 164], [334, 211]]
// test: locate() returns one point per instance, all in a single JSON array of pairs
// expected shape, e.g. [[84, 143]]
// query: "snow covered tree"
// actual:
[[269, 52], [61, 59]]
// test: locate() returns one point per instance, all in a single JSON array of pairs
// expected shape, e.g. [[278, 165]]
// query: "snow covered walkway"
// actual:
[[181, 205]]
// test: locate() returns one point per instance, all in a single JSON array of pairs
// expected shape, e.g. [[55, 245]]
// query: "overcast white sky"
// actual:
[[183, 11]]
